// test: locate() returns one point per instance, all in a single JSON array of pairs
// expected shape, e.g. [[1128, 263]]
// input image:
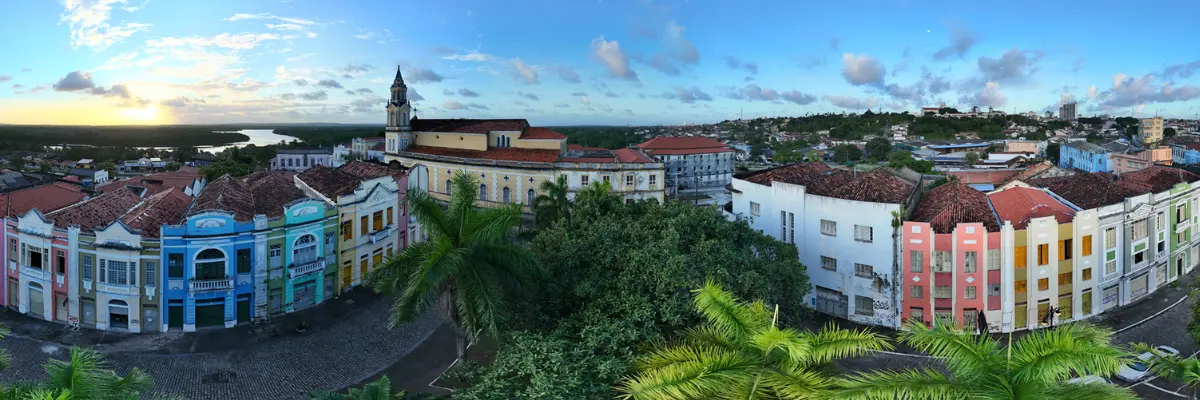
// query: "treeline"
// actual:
[[327, 136], [609, 137], [858, 126], [118, 136]]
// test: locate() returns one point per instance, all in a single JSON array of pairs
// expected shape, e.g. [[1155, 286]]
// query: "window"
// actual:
[[828, 228], [275, 255], [1065, 278], [347, 230], [362, 225], [993, 260], [529, 196], [1086, 304], [917, 313], [87, 267], [1181, 237], [864, 270], [244, 262], [391, 212], [653, 179], [506, 195], [150, 269], [1160, 221], [1180, 216], [1043, 254], [791, 228], [1139, 230], [863, 233], [783, 226], [993, 290], [1086, 249], [329, 246], [829, 263], [1110, 267], [970, 320], [1064, 249], [755, 209], [483, 193], [377, 221], [969, 262], [115, 272], [1139, 257], [583, 180], [916, 260], [175, 266], [1162, 246], [12, 249], [628, 179], [969, 292], [1020, 257], [863, 305], [304, 251], [35, 257], [941, 261], [60, 262], [448, 186], [916, 292], [1022, 286], [942, 292], [1044, 284], [1087, 274]]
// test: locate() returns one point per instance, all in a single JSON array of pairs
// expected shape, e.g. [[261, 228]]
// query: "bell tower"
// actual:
[[399, 114]]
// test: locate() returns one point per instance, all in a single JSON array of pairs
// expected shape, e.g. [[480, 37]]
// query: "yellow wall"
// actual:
[[465, 141], [518, 182], [559, 145]]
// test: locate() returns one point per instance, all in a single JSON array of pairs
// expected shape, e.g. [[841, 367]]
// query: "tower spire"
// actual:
[[399, 81]]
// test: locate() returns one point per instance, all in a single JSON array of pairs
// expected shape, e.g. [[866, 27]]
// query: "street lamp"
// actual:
[[1050, 315]]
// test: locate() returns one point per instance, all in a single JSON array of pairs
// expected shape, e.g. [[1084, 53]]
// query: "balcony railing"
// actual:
[[204, 285], [306, 268], [381, 234]]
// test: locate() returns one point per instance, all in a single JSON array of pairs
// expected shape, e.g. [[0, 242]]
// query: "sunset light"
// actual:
[[144, 114]]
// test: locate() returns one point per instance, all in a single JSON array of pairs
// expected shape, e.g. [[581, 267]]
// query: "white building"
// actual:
[[302, 159], [841, 223]]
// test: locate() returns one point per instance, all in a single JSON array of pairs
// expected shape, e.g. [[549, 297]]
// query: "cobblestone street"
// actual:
[[345, 352]]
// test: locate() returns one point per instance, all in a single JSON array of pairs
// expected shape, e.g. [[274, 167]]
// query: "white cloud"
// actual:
[[524, 72], [989, 96], [473, 55], [123, 60], [862, 69], [852, 103], [286, 27], [1092, 93], [88, 23], [289, 20], [301, 57], [609, 54], [241, 41]]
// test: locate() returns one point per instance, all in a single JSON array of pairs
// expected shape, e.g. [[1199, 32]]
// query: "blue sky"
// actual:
[[586, 61]]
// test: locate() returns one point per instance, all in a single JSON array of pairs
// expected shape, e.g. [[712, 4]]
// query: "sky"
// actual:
[[575, 62]]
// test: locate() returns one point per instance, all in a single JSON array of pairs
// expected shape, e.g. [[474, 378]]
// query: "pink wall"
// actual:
[[922, 278], [960, 242], [968, 242]]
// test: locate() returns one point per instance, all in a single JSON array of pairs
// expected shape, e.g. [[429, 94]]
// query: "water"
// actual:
[[258, 137]]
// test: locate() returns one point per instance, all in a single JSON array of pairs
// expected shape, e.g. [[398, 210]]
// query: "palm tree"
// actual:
[[1186, 370], [552, 204], [740, 353], [466, 268], [82, 377], [381, 389], [981, 368]]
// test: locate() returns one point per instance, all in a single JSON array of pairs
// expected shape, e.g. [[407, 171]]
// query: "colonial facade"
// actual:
[[692, 163], [28, 246], [510, 158]]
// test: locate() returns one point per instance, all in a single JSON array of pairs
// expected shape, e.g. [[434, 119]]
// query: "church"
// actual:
[[510, 158]]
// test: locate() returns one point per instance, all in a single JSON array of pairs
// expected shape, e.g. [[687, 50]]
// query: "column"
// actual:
[[189, 313], [230, 308]]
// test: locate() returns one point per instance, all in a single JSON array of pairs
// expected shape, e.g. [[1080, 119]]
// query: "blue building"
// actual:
[[1084, 156], [1188, 154]]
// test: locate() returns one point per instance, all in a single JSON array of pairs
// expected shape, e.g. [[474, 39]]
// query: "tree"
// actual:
[[1052, 152], [173, 166], [740, 352], [553, 204], [184, 154], [108, 166], [380, 389], [466, 269], [846, 153], [83, 376], [982, 368], [972, 158], [878, 148], [613, 282], [1186, 370], [1168, 132], [45, 167], [226, 167], [903, 158]]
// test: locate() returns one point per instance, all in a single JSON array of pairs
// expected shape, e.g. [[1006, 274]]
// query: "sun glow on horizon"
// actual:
[[145, 114]]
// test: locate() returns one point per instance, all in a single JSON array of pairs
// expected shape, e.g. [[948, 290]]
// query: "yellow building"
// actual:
[[510, 158], [1150, 130]]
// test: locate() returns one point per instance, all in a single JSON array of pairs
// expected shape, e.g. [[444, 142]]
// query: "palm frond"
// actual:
[[430, 214], [76, 373], [714, 371], [1186, 370], [1091, 391], [119, 387], [462, 202], [494, 224], [477, 295], [725, 313], [392, 277], [514, 266], [704, 335], [5, 359], [786, 342], [831, 343], [803, 384], [967, 356], [426, 282], [1051, 355], [921, 383]]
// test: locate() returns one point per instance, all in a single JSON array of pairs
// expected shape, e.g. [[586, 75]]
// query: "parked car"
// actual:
[[1140, 369], [1088, 379]]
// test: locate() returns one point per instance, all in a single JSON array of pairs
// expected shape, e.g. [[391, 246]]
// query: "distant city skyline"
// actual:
[[602, 62]]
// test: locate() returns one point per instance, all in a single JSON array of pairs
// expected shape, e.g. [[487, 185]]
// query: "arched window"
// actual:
[[507, 195], [304, 250], [448, 187], [404, 120], [529, 197], [483, 192], [210, 264]]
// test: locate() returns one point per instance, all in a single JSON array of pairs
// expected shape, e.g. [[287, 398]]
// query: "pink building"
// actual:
[[952, 258], [1125, 163], [21, 271]]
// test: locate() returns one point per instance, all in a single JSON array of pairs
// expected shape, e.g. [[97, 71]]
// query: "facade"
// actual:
[[692, 163], [1187, 154], [1128, 162], [842, 224], [1150, 131], [1084, 156], [90, 176], [1025, 146], [27, 246], [510, 158], [1067, 111], [187, 179], [301, 159], [368, 148]]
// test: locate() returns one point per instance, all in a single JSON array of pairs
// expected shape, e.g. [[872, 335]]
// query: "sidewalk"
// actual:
[[1118, 319], [204, 340]]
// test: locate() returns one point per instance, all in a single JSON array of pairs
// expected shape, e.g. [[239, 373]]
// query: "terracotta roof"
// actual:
[[1086, 191], [1157, 178], [955, 203], [45, 198], [503, 154], [576, 147], [984, 176], [1019, 205], [96, 212], [877, 186], [271, 190], [379, 146], [331, 183], [158, 182], [227, 194], [166, 207], [628, 155], [368, 170], [683, 145], [541, 133], [468, 125]]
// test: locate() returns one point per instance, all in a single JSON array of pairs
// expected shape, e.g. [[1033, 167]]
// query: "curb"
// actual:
[[1135, 324]]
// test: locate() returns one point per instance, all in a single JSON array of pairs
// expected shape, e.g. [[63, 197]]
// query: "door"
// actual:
[[37, 304], [304, 295], [60, 311], [275, 301], [88, 312], [175, 316], [14, 290], [118, 315], [210, 314], [1020, 317], [362, 266], [243, 310], [831, 302], [347, 276], [1137, 287], [1043, 310], [329, 282], [150, 319]]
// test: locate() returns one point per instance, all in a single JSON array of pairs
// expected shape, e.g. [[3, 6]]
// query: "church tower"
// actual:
[[399, 113]]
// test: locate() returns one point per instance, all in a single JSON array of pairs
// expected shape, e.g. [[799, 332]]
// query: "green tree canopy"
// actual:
[[847, 152], [878, 148]]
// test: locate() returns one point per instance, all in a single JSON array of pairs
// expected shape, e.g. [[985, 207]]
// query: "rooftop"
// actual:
[[683, 145], [1085, 191], [333, 183], [877, 186], [492, 153], [158, 182], [98, 211], [304, 151], [166, 207], [541, 133], [955, 203], [1156, 178], [1085, 146], [271, 190], [1019, 205], [228, 194], [45, 198], [468, 125]]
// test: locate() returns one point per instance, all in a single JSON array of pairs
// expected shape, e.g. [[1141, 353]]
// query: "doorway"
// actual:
[[150, 319], [304, 295], [61, 304], [118, 315], [37, 304], [87, 310]]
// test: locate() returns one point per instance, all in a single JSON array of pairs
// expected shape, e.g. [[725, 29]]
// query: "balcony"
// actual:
[[381, 234], [307, 268], [207, 285]]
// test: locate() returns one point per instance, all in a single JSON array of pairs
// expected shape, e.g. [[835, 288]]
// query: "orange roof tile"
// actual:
[[45, 198], [628, 155], [683, 145], [166, 207], [1019, 205], [96, 212], [541, 133], [955, 203]]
